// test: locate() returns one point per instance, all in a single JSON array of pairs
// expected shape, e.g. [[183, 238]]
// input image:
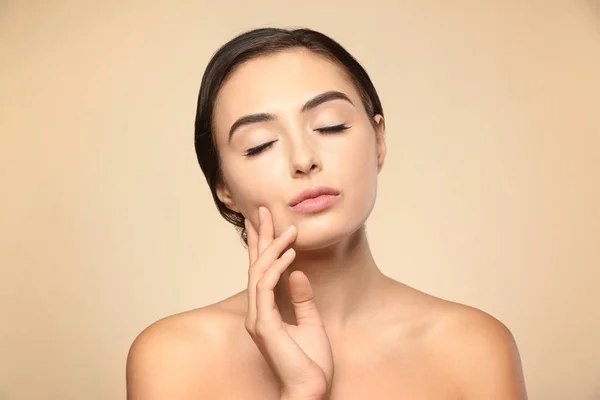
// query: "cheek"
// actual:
[[359, 159], [359, 170], [252, 185]]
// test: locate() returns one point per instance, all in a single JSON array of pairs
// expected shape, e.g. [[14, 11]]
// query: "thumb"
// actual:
[[302, 298]]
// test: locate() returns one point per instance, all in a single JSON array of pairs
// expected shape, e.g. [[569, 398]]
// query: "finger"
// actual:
[[303, 300], [260, 266], [267, 311], [276, 248], [252, 242], [265, 229], [252, 256]]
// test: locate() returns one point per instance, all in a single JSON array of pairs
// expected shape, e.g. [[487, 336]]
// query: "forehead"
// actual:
[[278, 83]]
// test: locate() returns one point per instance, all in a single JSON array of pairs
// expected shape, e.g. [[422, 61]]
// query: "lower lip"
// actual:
[[316, 204]]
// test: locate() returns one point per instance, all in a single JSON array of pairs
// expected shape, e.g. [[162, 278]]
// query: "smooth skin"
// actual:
[[299, 354], [318, 320]]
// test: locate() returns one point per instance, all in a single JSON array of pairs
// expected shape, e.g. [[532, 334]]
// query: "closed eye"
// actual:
[[255, 150], [335, 128], [328, 129]]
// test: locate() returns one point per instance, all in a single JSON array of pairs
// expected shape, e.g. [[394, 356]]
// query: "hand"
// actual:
[[299, 355]]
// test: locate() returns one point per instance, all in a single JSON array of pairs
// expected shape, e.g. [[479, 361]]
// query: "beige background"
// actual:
[[490, 194]]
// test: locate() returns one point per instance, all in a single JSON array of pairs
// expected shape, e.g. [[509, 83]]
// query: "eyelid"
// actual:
[[327, 129], [333, 128], [257, 149]]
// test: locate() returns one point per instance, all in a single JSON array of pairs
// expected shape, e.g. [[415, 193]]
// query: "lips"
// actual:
[[312, 193]]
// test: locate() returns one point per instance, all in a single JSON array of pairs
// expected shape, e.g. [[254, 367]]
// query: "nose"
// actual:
[[304, 159]]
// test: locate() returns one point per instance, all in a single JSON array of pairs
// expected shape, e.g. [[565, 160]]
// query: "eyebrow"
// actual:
[[309, 105]]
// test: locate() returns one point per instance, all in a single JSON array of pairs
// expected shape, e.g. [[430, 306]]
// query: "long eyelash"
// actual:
[[255, 150], [335, 128], [328, 129]]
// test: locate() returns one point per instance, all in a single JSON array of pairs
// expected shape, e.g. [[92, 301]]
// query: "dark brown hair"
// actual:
[[253, 44]]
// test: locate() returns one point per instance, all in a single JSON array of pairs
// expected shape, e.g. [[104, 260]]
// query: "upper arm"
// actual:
[[168, 362], [487, 359]]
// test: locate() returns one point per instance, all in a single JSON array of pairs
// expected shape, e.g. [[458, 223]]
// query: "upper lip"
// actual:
[[311, 193]]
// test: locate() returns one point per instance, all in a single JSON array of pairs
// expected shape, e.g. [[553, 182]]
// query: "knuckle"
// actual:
[[263, 284], [254, 272], [263, 328]]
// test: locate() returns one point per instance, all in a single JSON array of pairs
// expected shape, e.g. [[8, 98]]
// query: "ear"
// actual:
[[224, 194], [380, 137]]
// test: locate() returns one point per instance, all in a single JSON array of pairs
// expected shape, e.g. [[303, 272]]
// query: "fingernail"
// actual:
[[288, 253], [289, 230]]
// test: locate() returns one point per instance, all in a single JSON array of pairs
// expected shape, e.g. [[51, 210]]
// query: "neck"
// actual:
[[344, 279]]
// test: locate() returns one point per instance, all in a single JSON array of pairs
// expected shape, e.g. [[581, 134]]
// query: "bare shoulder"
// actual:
[[476, 352], [478, 349], [179, 356]]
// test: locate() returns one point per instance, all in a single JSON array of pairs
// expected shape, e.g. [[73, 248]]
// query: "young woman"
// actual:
[[290, 135]]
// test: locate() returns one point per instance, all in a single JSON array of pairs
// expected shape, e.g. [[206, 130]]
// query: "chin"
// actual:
[[331, 226], [308, 241], [321, 231]]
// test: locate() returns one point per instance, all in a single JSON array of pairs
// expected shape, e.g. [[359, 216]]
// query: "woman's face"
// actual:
[[274, 156]]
